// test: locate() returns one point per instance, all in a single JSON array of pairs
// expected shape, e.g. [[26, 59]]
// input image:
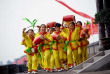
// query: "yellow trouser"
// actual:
[[84, 53], [29, 63], [47, 56], [42, 61], [79, 55], [57, 60], [75, 56], [52, 62], [62, 57], [32, 62], [69, 57], [72, 56]]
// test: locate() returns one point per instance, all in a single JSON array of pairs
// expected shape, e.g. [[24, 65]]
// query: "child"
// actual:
[[31, 56], [72, 34], [58, 48], [45, 47], [79, 25], [84, 42]]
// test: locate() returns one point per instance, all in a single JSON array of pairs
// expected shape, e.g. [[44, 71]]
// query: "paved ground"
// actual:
[[65, 72]]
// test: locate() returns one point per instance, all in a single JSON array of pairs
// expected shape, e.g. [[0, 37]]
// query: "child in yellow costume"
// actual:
[[84, 42], [71, 44], [52, 59], [58, 48], [45, 47], [30, 53], [79, 26]]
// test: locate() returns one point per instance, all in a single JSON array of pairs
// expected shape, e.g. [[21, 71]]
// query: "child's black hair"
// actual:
[[73, 24], [79, 22], [52, 28], [57, 25], [26, 31], [30, 30], [42, 25]]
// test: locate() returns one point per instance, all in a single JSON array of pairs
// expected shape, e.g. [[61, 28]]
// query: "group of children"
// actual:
[[60, 48]]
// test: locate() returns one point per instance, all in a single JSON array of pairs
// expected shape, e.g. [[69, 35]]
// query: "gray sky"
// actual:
[[12, 12]]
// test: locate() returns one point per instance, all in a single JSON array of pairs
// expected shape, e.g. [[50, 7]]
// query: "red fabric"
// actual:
[[42, 33], [51, 24], [68, 18], [77, 12], [54, 36], [70, 64], [37, 40], [36, 48], [93, 28]]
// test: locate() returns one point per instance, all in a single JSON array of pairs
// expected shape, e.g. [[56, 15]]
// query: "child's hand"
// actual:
[[24, 30], [42, 37], [38, 26], [58, 37]]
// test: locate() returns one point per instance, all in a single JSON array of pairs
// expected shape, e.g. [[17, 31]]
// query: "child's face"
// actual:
[[50, 31], [79, 24], [30, 33], [71, 26], [57, 29], [43, 28]]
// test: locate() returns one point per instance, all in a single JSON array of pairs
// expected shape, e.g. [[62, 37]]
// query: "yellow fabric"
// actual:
[[74, 36], [34, 62], [69, 57], [52, 61], [42, 61], [29, 63], [72, 55], [61, 41], [23, 43], [80, 55], [58, 52], [28, 41], [47, 55], [75, 56], [57, 60], [84, 53]]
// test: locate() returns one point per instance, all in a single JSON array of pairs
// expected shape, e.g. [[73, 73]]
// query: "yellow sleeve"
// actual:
[[76, 33], [37, 34], [65, 30], [49, 37], [28, 41], [62, 34], [25, 35], [22, 43]]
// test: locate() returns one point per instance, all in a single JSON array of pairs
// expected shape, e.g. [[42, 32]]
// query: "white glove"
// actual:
[[42, 37], [33, 50]]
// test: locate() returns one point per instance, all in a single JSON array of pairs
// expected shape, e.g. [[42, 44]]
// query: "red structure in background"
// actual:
[[22, 60], [93, 28]]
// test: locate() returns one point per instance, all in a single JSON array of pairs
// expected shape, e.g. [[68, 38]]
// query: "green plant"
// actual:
[[103, 17]]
